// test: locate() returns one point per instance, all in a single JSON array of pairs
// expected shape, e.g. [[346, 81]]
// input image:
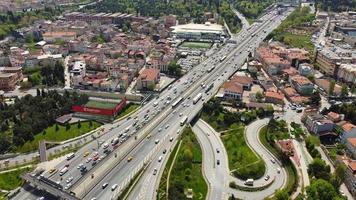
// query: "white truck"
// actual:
[[63, 171]]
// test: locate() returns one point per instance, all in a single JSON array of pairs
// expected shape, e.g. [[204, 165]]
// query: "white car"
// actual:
[[69, 179]]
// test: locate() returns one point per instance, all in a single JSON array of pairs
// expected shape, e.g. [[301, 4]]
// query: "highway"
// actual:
[[116, 167], [145, 188]]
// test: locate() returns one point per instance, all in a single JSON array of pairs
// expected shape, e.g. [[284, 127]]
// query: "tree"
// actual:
[[67, 126], [331, 87], [90, 123], [311, 77], [339, 176], [79, 125], [282, 195], [315, 98], [344, 90], [321, 189], [56, 127], [353, 89], [319, 169], [259, 96]]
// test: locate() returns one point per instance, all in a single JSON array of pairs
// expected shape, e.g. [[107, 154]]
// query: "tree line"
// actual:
[[30, 115]]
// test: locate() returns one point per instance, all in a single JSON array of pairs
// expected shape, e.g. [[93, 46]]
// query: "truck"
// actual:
[[249, 182], [197, 98], [63, 171], [184, 120]]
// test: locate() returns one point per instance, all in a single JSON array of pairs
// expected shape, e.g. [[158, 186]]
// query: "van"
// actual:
[[249, 182], [113, 187]]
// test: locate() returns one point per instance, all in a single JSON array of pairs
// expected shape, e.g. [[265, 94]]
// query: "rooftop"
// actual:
[[233, 87], [352, 141], [348, 126], [207, 27]]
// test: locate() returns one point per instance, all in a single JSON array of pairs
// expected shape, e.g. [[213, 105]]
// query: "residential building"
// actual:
[[351, 147], [350, 177], [302, 84], [244, 81], [335, 117], [8, 81], [324, 84], [305, 69], [15, 70], [347, 73], [348, 131], [59, 36], [318, 124], [274, 97], [148, 79], [232, 90]]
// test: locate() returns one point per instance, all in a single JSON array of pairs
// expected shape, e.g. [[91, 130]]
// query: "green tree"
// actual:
[[339, 176], [79, 125], [282, 195], [353, 89], [321, 189], [315, 98], [56, 127], [259, 96], [344, 90], [67, 126], [319, 169], [331, 87], [90, 123]]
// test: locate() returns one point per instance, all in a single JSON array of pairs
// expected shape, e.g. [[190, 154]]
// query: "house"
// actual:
[[232, 90], [318, 124], [244, 81], [348, 131], [350, 177], [148, 79], [8, 81], [324, 85], [302, 84], [335, 117], [274, 97], [351, 146]]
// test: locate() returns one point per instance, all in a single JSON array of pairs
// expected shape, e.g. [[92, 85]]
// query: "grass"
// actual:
[[50, 134], [241, 158], [196, 45], [292, 177], [313, 140], [130, 107], [161, 193], [187, 170], [299, 41], [100, 104], [12, 180]]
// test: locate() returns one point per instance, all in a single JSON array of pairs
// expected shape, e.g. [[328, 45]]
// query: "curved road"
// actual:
[[218, 176]]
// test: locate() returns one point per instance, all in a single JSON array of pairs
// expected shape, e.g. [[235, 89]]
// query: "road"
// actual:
[[116, 165], [143, 187], [245, 23]]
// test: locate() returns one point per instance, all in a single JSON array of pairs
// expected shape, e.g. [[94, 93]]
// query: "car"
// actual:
[[160, 129], [80, 166], [160, 159], [171, 139], [86, 153], [278, 170], [52, 171], [218, 162], [273, 161], [267, 178], [113, 187], [129, 158], [104, 185], [157, 141], [178, 131], [68, 186], [69, 179], [217, 150], [164, 151], [41, 198], [342, 193], [181, 114], [154, 171], [167, 126], [88, 160]]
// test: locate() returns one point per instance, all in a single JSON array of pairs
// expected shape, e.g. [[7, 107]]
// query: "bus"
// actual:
[[184, 120], [209, 87], [176, 103], [197, 98], [222, 58], [70, 156], [63, 171]]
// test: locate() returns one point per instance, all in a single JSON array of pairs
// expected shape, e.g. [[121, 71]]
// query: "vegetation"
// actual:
[[299, 18], [196, 45], [174, 68], [129, 108], [310, 142], [58, 133], [100, 104], [319, 169], [251, 9], [349, 110], [322, 189], [31, 115], [47, 75], [242, 160], [292, 177], [296, 130], [336, 6], [186, 172], [11, 21], [11, 180]]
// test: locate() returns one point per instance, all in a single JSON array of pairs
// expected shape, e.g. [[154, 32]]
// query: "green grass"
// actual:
[[12, 180], [299, 41], [196, 45], [130, 107], [213, 121], [241, 158], [292, 177], [313, 140], [57, 136], [100, 104], [187, 170]]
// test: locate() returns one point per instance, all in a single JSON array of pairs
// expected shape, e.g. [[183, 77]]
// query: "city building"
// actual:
[[351, 147], [302, 84], [207, 31], [318, 124], [232, 90], [305, 69], [148, 79], [58, 36], [347, 73], [348, 131], [8, 81], [274, 97], [350, 177], [335, 117]]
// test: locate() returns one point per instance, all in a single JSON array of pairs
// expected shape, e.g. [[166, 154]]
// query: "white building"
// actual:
[[347, 72], [205, 31], [78, 72]]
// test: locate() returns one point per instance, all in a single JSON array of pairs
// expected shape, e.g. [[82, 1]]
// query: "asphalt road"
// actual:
[[187, 86]]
